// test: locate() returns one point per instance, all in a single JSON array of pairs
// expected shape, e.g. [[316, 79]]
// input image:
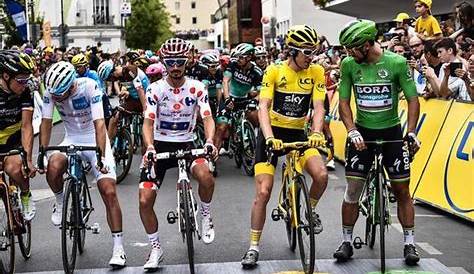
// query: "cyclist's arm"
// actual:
[[27, 132], [265, 101], [206, 114], [409, 90], [149, 115], [137, 82], [318, 96], [225, 84], [345, 89], [47, 119], [97, 113]]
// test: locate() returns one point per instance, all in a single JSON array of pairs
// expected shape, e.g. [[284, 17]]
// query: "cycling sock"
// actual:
[[255, 239], [25, 193], [117, 237], [313, 202], [409, 235], [154, 240], [205, 209], [59, 197], [347, 233]]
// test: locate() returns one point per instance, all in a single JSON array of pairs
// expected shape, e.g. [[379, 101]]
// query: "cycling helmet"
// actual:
[[301, 36], [358, 32], [260, 50], [154, 59], [105, 69], [155, 69], [60, 77], [132, 55], [210, 59], [244, 49], [141, 62], [175, 47], [79, 60], [15, 62]]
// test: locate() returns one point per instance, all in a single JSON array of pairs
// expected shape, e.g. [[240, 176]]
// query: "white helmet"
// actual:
[[260, 50], [210, 59], [60, 77]]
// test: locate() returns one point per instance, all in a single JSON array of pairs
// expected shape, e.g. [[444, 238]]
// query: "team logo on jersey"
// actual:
[[192, 90], [306, 84], [96, 99], [358, 75], [176, 91], [151, 101], [80, 103], [283, 82], [46, 100], [382, 73], [189, 101]]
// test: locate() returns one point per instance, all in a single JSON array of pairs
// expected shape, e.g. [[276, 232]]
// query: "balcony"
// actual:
[[102, 19]]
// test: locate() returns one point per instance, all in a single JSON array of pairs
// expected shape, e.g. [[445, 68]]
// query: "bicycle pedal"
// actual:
[[95, 228], [392, 199], [171, 217], [276, 214], [357, 243]]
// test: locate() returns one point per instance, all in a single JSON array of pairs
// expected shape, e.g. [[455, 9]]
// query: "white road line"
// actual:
[[139, 244], [458, 270], [429, 248], [421, 215]]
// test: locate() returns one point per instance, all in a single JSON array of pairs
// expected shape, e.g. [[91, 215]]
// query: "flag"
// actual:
[[17, 12]]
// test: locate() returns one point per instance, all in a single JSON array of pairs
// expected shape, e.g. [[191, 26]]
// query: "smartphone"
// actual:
[[452, 68]]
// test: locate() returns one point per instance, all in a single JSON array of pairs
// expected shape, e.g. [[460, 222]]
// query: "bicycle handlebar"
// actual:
[[71, 149], [23, 155], [122, 109]]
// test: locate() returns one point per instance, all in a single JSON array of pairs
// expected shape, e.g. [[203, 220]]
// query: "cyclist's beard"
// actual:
[[364, 58], [176, 74]]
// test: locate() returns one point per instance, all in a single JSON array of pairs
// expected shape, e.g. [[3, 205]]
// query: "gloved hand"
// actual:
[[104, 169], [316, 139], [275, 144], [413, 143], [210, 148], [149, 149], [229, 103], [356, 139]]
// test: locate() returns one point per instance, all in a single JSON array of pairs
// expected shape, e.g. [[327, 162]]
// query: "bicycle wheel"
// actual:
[[123, 154], [290, 230], [24, 240], [7, 237], [370, 223], [188, 225], [249, 146], [69, 228], [381, 199], [85, 207], [305, 229], [137, 124]]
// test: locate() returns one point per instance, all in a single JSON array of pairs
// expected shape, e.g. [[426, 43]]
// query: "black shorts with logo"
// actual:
[[395, 155]]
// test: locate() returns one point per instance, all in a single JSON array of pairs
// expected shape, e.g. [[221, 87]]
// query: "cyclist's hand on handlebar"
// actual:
[[275, 144], [316, 139], [103, 168], [40, 164], [31, 170], [413, 142], [356, 139], [229, 103], [150, 150], [124, 94], [211, 149]]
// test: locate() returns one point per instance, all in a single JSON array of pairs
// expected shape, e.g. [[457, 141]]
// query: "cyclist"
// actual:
[[78, 101], [134, 83], [242, 81], [173, 104], [213, 81], [194, 69], [81, 63], [376, 77], [288, 90], [155, 72], [261, 57], [16, 116]]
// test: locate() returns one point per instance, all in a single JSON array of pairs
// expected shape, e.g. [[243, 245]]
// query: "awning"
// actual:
[[385, 10]]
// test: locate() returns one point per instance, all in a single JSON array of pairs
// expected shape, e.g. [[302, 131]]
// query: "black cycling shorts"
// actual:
[[396, 158]]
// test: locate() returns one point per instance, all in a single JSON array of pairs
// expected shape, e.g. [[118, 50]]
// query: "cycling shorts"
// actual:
[[287, 135], [13, 142], [396, 158]]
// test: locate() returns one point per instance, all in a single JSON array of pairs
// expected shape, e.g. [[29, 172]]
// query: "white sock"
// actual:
[[154, 240], [117, 237], [409, 235], [59, 197], [347, 233], [205, 209]]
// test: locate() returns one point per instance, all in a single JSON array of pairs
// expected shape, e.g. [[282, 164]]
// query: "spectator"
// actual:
[[399, 49], [452, 85], [403, 20], [465, 16], [417, 47], [426, 25]]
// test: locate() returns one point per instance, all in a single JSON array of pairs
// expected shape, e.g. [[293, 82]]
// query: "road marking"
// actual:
[[429, 248], [139, 244], [458, 270], [422, 215], [333, 176]]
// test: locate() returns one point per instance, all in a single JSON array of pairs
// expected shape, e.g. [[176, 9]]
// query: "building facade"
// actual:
[[244, 21]]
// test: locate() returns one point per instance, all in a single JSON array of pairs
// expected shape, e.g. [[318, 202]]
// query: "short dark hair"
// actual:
[[405, 31], [446, 43], [430, 48]]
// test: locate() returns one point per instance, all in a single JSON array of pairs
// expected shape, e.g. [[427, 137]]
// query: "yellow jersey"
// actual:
[[428, 26], [292, 93]]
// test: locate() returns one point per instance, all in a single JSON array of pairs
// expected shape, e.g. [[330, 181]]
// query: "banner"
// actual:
[[17, 12]]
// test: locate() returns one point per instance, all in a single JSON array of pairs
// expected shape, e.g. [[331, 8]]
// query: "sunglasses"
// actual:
[[306, 52], [22, 80], [171, 62], [260, 58], [212, 66], [245, 56]]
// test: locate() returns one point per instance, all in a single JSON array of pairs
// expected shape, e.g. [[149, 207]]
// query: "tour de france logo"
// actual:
[[382, 73]]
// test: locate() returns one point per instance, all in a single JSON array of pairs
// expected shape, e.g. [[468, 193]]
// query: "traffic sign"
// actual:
[[126, 9]]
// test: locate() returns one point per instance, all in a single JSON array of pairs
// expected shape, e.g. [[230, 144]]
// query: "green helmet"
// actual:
[[357, 33], [244, 49]]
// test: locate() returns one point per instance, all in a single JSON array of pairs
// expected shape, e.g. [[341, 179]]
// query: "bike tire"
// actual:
[[7, 235], [381, 215], [125, 155], [188, 226], [137, 124], [306, 225], [249, 146], [24, 240], [69, 228], [290, 230], [85, 205], [370, 222]]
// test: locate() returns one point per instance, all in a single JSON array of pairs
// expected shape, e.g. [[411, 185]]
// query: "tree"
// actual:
[[148, 26]]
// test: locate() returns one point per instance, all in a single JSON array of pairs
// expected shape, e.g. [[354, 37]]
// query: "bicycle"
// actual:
[[123, 145], [187, 207], [77, 205], [294, 207], [136, 130], [242, 140], [373, 204], [11, 218]]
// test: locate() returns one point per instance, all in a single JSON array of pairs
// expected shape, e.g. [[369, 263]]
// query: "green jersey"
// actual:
[[376, 88], [242, 82]]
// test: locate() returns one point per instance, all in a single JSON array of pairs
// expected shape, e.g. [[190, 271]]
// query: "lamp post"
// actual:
[[31, 4], [62, 29]]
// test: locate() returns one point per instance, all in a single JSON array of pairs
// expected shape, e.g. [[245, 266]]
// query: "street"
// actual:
[[444, 242]]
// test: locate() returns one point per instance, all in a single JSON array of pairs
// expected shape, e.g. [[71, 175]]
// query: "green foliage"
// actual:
[[148, 26]]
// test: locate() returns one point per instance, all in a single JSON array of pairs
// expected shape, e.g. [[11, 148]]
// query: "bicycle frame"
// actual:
[[183, 179]]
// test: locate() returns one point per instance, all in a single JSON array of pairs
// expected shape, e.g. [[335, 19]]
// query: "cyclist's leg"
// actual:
[[13, 167], [252, 116], [112, 128], [313, 163], [222, 131]]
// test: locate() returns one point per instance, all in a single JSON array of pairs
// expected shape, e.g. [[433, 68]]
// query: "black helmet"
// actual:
[[16, 62]]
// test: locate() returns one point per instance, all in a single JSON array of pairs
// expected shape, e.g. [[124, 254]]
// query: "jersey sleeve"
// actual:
[[319, 87], [406, 80], [137, 81], [48, 105], [435, 26], [203, 100], [268, 82], [97, 108], [27, 102], [345, 86], [151, 95]]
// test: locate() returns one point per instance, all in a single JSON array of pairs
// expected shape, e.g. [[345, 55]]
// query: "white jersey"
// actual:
[[80, 110], [174, 110]]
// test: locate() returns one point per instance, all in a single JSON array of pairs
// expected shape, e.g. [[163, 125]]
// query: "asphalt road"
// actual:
[[442, 239]]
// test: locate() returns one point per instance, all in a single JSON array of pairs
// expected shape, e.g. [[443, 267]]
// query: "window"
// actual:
[[193, 5], [176, 5], [245, 10], [101, 12], [195, 20], [178, 20]]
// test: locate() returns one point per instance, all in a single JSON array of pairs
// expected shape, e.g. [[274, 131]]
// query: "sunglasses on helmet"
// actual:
[[171, 62]]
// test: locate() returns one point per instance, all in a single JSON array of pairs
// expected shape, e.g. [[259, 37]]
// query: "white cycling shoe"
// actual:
[[57, 215], [119, 259], [208, 233], [154, 259]]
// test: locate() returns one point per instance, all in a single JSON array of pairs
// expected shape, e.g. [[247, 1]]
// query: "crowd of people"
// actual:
[[177, 87]]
